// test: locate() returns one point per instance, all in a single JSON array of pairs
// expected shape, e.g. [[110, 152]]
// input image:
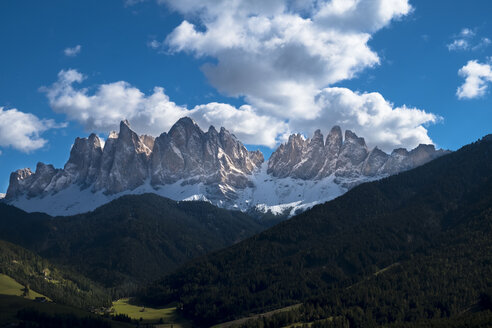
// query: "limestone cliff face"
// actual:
[[347, 158], [188, 162], [25, 182], [127, 161], [213, 158]]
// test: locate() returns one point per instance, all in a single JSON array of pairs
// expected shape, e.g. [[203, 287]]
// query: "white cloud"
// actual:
[[373, 117], [458, 44], [467, 32], [72, 52], [110, 103], [477, 76], [103, 109], [249, 126], [369, 114], [281, 56], [278, 54], [284, 56], [468, 39], [22, 131], [154, 44], [483, 43]]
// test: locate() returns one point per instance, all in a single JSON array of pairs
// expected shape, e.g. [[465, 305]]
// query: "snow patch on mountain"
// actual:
[[188, 164], [280, 196]]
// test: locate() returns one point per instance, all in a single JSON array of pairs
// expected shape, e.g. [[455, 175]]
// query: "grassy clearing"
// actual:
[[9, 286], [169, 315]]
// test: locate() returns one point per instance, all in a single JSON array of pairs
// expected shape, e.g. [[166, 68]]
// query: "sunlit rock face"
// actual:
[[188, 163], [347, 157], [213, 158], [128, 160]]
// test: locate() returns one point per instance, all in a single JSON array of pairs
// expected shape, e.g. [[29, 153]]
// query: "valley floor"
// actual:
[[163, 317]]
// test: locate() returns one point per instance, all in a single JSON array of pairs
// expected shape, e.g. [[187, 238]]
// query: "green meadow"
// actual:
[[9, 286], [169, 315]]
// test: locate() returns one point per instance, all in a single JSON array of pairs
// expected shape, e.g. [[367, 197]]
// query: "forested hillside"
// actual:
[[131, 240], [59, 284], [452, 278], [431, 227]]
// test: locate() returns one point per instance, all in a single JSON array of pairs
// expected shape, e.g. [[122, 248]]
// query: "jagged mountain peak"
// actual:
[[212, 130], [347, 157], [187, 162], [317, 134], [428, 148], [214, 158], [336, 129], [93, 138], [317, 139], [352, 137], [124, 123], [124, 162], [186, 121], [399, 151]]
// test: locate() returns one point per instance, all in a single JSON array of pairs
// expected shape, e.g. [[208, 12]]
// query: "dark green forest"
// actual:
[[411, 250], [452, 280], [130, 241], [431, 227]]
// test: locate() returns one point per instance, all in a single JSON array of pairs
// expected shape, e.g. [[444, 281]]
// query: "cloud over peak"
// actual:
[[367, 114], [283, 56], [103, 109], [375, 118], [262, 48]]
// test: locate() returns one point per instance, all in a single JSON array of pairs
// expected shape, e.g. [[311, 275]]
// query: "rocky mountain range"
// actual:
[[188, 163], [349, 157]]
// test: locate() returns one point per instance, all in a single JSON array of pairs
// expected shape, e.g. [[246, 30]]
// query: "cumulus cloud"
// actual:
[[468, 39], [72, 52], [284, 56], [22, 131], [281, 56], [368, 114], [245, 122], [477, 77], [278, 54], [103, 109]]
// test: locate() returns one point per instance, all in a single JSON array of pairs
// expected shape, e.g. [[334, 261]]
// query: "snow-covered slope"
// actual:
[[189, 164], [268, 193]]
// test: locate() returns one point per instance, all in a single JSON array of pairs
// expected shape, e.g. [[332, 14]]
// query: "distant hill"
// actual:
[[430, 227], [132, 240]]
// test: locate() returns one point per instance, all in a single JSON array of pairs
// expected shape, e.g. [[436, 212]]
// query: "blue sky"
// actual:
[[71, 67]]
